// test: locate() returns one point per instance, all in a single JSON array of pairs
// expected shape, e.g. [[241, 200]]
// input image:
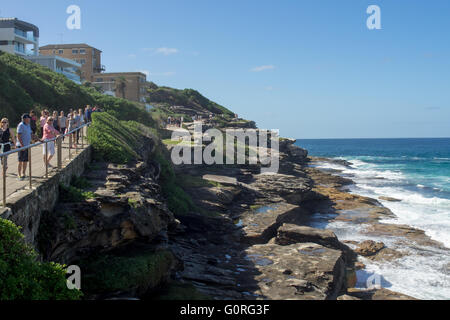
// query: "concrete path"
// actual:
[[13, 184]]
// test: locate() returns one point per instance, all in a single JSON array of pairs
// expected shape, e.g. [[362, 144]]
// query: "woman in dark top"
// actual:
[[33, 125], [6, 136], [55, 120]]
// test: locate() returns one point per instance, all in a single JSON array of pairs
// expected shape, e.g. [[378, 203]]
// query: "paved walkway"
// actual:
[[13, 184]]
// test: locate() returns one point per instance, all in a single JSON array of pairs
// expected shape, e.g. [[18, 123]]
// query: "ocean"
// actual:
[[415, 171]]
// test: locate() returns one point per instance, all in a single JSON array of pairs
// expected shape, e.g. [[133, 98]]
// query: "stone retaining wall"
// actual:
[[24, 207]]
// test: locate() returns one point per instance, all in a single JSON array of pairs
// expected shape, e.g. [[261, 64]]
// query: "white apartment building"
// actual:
[[19, 37]]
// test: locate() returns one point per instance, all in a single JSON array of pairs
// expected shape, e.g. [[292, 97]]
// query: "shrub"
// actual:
[[22, 277], [110, 273]]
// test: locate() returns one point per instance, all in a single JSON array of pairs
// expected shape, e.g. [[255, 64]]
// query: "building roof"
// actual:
[[14, 22], [67, 46]]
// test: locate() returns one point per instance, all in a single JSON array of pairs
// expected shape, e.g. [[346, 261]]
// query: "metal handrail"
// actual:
[[58, 139]]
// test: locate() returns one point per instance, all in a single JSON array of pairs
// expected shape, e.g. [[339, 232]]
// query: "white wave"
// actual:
[[417, 275]]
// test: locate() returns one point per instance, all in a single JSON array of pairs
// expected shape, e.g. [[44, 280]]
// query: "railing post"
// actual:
[[77, 136], [29, 165], [82, 138], [70, 146], [4, 181], [59, 155], [46, 160]]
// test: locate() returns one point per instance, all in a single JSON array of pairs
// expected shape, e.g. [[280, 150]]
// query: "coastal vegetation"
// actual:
[[112, 273], [187, 98], [22, 276], [25, 85], [122, 134]]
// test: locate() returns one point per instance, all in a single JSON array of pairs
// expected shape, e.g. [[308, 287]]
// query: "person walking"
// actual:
[[49, 148], [62, 122], [24, 135], [6, 136], [77, 118], [43, 120], [55, 120], [88, 113], [70, 127]]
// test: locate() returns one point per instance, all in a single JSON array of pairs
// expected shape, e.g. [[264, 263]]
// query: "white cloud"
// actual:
[[163, 50], [166, 51], [263, 68]]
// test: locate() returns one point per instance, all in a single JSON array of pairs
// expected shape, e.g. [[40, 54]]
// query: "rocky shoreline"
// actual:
[[261, 245], [251, 237]]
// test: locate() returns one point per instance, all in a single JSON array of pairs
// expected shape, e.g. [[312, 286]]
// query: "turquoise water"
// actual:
[[415, 171]]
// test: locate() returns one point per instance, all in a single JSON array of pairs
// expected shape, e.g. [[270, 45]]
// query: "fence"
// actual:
[[58, 141]]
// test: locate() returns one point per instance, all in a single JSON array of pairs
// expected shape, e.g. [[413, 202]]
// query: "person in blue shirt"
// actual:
[[87, 113], [23, 139]]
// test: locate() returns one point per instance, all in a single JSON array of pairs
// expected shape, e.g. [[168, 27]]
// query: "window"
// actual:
[[82, 61], [99, 79], [60, 51], [4, 43], [82, 51], [75, 51]]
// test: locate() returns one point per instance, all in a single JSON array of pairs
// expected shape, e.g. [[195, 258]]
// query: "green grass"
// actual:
[[75, 191], [170, 142], [70, 194], [189, 181], [179, 202], [113, 140]]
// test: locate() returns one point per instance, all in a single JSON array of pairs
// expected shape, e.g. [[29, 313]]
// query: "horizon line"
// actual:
[[371, 138]]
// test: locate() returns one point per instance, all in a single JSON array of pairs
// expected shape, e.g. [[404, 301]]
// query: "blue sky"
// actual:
[[309, 68]]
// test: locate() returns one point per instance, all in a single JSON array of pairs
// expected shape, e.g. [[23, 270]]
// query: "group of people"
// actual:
[[177, 122], [51, 126]]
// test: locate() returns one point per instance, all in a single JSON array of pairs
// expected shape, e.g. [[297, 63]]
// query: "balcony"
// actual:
[[72, 76], [99, 69], [25, 35]]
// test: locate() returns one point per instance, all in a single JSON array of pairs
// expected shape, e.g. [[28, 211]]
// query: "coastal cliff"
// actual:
[[141, 228]]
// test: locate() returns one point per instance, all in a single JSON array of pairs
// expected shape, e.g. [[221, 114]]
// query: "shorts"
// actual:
[[50, 148], [23, 156]]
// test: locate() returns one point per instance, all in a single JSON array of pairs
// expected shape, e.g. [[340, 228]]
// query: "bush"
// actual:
[[22, 277], [111, 273]]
